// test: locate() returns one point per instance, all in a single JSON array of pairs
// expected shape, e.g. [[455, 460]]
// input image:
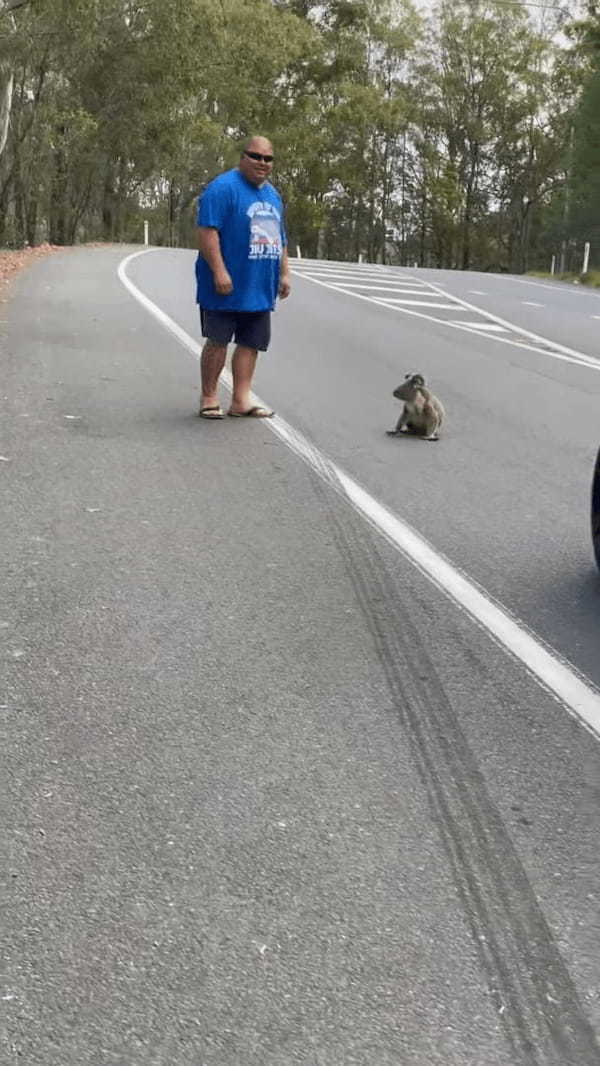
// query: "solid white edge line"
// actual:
[[576, 357], [165, 320], [560, 678]]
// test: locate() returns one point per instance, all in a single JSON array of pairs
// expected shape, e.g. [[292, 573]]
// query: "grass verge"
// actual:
[[592, 278]]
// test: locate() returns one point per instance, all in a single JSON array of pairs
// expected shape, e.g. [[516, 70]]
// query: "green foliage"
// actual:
[[584, 177], [445, 140]]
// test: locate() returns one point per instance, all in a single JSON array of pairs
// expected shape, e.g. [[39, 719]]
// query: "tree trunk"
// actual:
[[121, 199], [58, 194], [423, 224], [469, 203], [172, 208], [358, 230], [6, 75], [31, 217], [20, 208], [108, 205], [3, 216], [6, 94]]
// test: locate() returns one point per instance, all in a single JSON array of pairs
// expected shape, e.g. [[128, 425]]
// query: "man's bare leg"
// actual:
[[243, 365], [212, 362]]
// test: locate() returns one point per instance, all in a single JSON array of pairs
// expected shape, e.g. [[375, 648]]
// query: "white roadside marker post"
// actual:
[[586, 257], [146, 232]]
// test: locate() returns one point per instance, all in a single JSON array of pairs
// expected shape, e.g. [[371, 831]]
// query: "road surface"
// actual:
[[273, 796]]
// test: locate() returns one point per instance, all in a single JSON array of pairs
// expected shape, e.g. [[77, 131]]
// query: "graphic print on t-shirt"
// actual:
[[265, 231]]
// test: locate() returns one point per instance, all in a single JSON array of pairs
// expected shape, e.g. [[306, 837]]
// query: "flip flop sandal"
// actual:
[[253, 412], [211, 413]]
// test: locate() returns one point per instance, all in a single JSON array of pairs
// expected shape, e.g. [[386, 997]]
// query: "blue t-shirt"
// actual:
[[249, 219]]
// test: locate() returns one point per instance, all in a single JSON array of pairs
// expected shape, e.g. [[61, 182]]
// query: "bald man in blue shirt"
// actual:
[[241, 269]]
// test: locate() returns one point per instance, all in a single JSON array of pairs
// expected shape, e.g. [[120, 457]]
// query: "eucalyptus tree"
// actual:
[[124, 105], [356, 113], [8, 9], [490, 133], [583, 214], [441, 139]]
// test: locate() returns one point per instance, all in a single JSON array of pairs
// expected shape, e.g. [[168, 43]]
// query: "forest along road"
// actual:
[[274, 796]]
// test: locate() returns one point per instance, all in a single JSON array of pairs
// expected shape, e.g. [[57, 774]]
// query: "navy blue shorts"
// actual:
[[251, 329]]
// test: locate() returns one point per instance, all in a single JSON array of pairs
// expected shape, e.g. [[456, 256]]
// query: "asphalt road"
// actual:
[[565, 313], [270, 797]]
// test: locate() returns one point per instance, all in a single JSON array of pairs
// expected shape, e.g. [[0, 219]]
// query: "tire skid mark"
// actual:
[[537, 1002]]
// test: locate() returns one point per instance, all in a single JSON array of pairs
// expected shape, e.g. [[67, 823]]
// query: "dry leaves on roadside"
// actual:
[[12, 261]]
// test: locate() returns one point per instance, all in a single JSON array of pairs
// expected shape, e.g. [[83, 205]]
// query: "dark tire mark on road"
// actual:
[[537, 1002]]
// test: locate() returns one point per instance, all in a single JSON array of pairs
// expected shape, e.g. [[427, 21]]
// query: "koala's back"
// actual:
[[434, 406]]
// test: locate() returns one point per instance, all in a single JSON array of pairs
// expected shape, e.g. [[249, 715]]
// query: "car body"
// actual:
[[596, 510]]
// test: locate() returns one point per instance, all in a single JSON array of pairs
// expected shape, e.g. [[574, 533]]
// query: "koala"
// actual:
[[422, 413]]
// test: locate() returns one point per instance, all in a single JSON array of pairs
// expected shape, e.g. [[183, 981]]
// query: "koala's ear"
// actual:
[[418, 379]]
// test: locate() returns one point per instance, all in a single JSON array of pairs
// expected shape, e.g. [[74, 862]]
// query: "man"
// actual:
[[241, 268]]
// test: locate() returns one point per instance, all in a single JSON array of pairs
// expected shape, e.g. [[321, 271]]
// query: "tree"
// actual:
[[583, 220], [7, 10], [443, 140]]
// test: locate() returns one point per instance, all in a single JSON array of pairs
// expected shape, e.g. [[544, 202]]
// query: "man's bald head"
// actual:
[[258, 144], [256, 160]]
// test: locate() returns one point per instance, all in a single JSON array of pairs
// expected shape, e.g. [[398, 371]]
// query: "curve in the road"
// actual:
[[578, 695], [428, 299]]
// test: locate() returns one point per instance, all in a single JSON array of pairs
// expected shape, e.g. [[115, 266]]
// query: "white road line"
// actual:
[[555, 286], [550, 348], [559, 677], [477, 292], [394, 300], [357, 279], [491, 327], [386, 275], [531, 303], [337, 276], [357, 268], [383, 286]]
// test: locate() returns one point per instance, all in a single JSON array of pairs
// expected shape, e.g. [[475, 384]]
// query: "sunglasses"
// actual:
[[259, 158]]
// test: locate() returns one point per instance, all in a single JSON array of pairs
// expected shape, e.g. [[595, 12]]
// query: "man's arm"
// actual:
[[210, 250], [284, 275]]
